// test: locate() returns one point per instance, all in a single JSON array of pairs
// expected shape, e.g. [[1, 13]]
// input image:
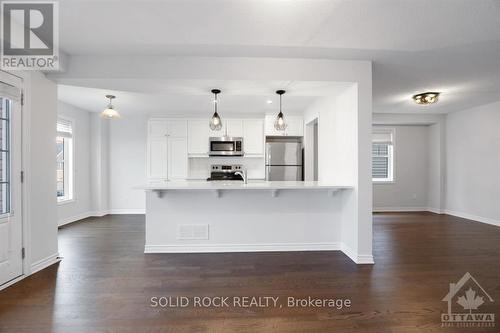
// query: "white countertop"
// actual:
[[240, 185]]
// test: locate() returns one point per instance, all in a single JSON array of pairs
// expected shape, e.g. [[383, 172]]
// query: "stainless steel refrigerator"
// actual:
[[284, 160]]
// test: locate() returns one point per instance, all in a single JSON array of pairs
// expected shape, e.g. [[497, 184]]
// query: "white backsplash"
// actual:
[[199, 166]]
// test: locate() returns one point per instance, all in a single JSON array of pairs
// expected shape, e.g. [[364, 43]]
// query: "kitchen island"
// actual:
[[200, 216]]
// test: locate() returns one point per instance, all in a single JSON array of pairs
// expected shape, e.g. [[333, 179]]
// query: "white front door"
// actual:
[[11, 261]]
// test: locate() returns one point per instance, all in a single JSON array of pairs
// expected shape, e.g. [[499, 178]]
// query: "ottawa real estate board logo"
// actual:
[[30, 35], [464, 300]]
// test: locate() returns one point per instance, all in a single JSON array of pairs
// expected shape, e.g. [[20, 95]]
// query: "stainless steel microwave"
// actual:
[[225, 146]]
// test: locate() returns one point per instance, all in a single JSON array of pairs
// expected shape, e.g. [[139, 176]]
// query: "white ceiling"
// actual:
[[451, 46], [181, 97]]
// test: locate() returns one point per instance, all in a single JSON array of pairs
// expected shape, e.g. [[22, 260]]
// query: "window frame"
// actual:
[[391, 179], [6, 196], [69, 164]]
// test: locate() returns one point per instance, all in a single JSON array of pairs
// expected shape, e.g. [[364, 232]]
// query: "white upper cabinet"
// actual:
[[157, 128], [198, 133], [295, 126], [234, 127], [177, 128], [164, 127], [253, 137]]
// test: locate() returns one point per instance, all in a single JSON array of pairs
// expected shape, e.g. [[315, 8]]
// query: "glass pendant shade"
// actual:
[[279, 123], [215, 122], [110, 112]]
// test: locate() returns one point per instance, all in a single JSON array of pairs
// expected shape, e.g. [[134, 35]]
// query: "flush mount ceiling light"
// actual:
[[215, 122], [110, 112], [280, 124], [426, 98]]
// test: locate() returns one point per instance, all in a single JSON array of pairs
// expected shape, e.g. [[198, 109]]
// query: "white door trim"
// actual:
[[19, 82]]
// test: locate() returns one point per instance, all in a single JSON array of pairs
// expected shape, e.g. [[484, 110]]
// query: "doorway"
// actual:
[[11, 238], [311, 151]]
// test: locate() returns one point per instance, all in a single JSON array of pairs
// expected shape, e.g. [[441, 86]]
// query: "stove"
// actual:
[[225, 172]]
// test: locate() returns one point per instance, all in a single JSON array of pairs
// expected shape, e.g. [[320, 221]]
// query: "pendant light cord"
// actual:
[[216, 102]]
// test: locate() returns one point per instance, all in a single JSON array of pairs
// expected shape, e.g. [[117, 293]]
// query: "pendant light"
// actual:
[[215, 122], [110, 112], [280, 124]]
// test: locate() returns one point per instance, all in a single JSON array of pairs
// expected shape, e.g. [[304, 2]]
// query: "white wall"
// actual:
[[40, 114], [80, 207], [437, 167], [336, 137], [127, 164], [409, 191], [411, 197], [344, 139], [99, 164], [473, 163]]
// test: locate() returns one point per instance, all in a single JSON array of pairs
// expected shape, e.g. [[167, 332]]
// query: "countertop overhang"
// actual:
[[218, 186]]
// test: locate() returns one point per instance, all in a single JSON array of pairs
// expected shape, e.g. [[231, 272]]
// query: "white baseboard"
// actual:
[[217, 248], [74, 218], [360, 259], [11, 282], [468, 216], [399, 209], [44, 263], [140, 211], [214, 248], [85, 215], [463, 215], [435, 210], [100, 213]]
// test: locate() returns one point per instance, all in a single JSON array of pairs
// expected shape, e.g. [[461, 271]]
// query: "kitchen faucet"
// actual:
[[243, 174]]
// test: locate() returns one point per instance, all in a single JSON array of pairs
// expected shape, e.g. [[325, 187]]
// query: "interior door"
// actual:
[[11, 261]]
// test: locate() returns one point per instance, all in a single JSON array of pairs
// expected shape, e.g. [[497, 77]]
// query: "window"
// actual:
[[383, 155], [5, 106], [64, 150]]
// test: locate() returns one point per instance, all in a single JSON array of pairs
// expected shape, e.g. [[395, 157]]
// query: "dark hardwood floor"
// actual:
[[105, 282]]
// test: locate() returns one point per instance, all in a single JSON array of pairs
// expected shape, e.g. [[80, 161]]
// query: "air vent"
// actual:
[[192, 231]]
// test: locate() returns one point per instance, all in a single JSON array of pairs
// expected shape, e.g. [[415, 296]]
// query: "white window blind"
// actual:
[[382, 155], [64, 128]]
